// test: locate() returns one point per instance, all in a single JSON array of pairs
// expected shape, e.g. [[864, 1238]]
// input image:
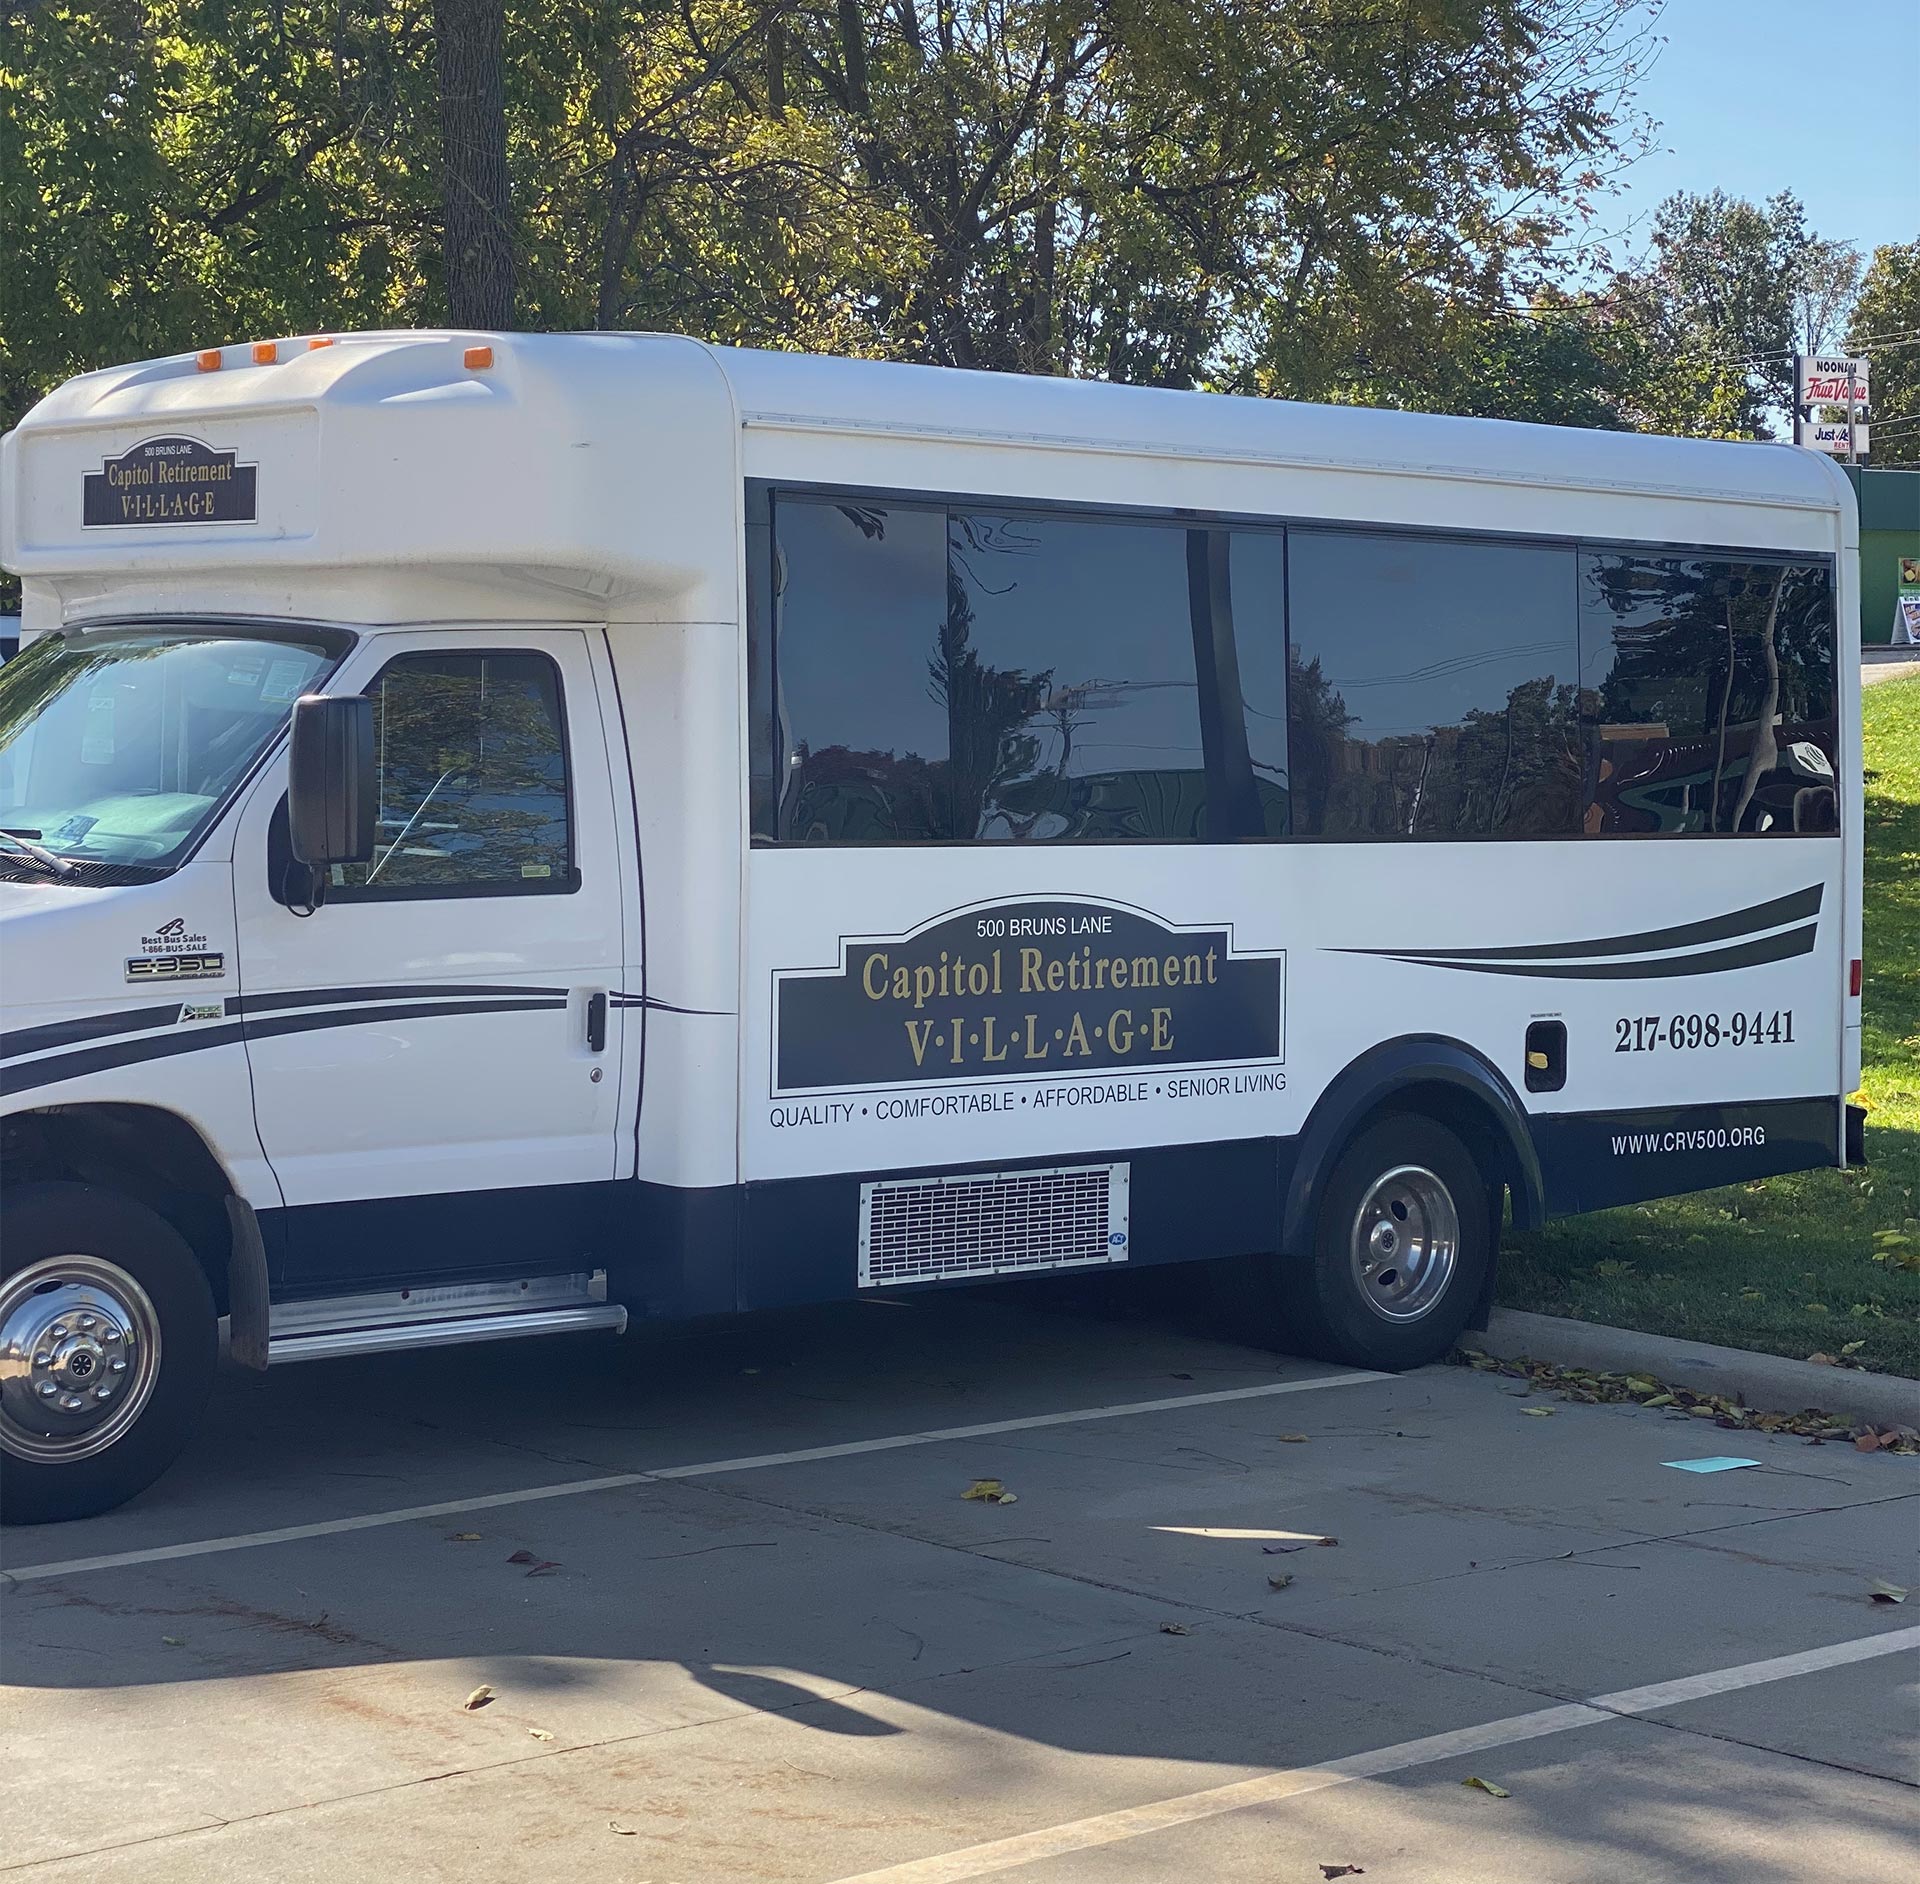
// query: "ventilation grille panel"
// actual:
[[992, 1223]]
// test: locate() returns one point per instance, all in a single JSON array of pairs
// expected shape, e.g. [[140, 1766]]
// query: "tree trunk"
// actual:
[[477, 240]]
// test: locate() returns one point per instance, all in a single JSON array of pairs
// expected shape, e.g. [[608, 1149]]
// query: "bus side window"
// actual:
[[1432, 687], [1708, 694]]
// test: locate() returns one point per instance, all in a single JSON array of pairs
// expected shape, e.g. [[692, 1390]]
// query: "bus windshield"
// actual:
[[119, 745]]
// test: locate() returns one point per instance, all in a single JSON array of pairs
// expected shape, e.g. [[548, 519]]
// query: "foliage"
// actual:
[[1727, 291], [176, 172], [1886, 328], [1803, 1264], [1325, 198]]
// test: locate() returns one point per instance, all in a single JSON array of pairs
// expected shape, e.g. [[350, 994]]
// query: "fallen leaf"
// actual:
[[986, 1490], [523, 1556], [1179, 1376], [1538, 1412], [1007, 1498], [1853, 1347], [1639, 1383], [1869, 1441], [1280, 1550], [1659, 1399], [1822, 1360], [621, 1831], [543, 1570], [1879, 1592], [478, 1698], [541, 1733], [174, 1641], [1278, 1579], [1343, 1870], [1291, 1439], [1175, 1628], [464, 1537], [1487, 1786], [1326, 1543]]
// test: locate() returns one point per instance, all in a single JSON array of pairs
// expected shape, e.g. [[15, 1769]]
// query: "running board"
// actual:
[[441, 1317]]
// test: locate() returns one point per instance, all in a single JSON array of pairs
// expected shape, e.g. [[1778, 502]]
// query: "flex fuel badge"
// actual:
[[173, 953]]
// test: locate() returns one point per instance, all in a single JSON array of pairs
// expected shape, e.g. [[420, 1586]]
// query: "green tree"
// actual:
[[1886, 329], [1726, 293]]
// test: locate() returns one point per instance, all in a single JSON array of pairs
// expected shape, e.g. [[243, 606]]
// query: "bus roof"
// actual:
[[429, 474]]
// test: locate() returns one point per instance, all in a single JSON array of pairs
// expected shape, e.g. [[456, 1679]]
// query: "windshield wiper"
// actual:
[[39, 853]]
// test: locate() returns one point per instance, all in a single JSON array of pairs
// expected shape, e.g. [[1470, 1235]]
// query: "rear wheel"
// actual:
[[1402, 1248], [107, 1349]]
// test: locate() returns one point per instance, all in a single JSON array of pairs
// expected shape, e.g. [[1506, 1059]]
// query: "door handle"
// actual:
[[596, 1023]]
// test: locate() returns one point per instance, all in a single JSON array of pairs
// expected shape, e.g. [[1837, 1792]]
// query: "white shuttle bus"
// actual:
[[508, 834]]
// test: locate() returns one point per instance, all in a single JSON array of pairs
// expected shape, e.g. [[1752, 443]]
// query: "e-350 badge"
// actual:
[[172, 954]]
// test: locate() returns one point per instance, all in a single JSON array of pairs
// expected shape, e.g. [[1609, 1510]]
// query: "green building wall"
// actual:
[[1889, 529]]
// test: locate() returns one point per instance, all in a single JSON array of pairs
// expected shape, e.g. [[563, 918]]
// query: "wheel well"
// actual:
[[1471, 1120], [140, 1151]]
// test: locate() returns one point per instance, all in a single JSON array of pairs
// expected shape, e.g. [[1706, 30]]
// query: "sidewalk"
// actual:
[[1885, 663]]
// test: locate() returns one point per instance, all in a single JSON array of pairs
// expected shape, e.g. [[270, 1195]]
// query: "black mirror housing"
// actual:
[[330, 785]]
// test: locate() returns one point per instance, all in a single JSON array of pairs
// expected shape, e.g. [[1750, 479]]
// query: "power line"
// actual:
[[1890, 342]]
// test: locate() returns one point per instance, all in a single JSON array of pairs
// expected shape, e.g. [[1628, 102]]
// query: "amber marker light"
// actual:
[[320, 341], [208, 359], [478, 358], [265, 353]]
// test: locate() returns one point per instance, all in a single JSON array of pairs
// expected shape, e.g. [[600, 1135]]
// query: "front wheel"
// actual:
[[1402, 1248], [107, 1350]]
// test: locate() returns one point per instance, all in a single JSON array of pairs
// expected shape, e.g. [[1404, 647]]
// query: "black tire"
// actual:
[[41, 1223], [1318, 1304]]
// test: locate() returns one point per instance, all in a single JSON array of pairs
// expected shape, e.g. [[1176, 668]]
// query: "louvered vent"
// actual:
[[993, 1223]]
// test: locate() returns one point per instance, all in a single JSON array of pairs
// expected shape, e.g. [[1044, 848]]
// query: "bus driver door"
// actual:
[[436, 1052]]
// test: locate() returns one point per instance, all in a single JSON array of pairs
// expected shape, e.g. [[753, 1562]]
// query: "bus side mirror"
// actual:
[[330, 788]]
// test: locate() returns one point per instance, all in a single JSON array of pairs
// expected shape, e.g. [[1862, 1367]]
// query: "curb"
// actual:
[[1769, 1383]]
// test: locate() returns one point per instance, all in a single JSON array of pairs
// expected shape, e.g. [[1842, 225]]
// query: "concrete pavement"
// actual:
[[812, 1668]]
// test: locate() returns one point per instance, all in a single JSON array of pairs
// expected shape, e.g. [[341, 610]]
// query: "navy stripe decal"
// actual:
[[68, 1033], [407, 991], [1783, 909], [1772, 948], [59, 1067]]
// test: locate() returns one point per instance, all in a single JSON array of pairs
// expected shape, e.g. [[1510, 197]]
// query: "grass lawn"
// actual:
[[1786, 1266]]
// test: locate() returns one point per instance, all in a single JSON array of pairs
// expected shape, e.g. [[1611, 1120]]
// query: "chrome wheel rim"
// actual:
[[79, 1358], [1405, 1243]]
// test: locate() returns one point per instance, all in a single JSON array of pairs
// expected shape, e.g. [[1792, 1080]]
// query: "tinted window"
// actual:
[[471, 769], [988, 675], [1259, 560], [1708, 694], [1067, 669], [1432, 687]]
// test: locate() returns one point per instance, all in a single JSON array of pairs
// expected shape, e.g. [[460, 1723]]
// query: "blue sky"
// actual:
[[1752, 98]]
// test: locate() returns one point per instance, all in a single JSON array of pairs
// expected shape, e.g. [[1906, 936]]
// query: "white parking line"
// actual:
[[712, 1468], [1110, 1828]]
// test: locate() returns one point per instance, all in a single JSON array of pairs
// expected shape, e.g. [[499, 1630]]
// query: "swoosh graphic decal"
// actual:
[[404, 991], [69, 1033], [1770, 915], [667, 1007], [1772, 948], [59, 1067]]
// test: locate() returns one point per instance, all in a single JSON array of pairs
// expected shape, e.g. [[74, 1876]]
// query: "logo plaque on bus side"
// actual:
[[168, 480], [1048, 987]]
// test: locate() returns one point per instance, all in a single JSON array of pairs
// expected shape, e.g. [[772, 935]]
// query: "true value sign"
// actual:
[[1832, 404]]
